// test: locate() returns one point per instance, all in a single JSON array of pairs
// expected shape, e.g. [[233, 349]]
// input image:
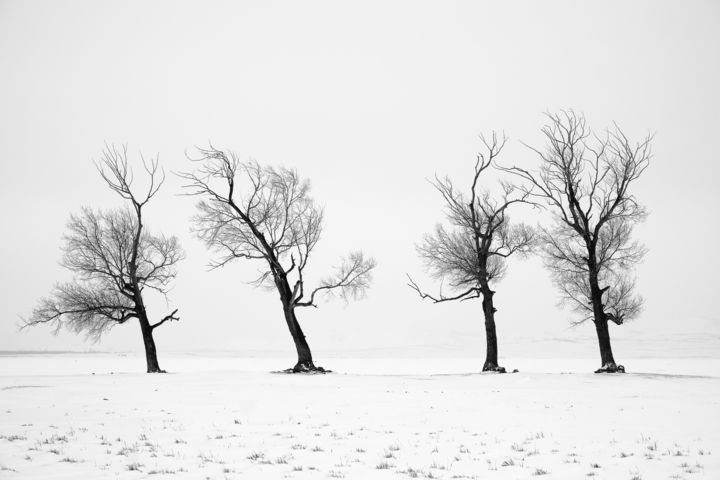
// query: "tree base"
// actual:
[[492, 367], [156, 370], [611, 367], [306, 367]]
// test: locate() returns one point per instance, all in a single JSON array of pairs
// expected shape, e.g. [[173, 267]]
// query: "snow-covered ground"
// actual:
[[229, 417]]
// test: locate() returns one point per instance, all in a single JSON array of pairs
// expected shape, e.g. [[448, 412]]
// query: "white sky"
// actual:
[[367, 100]]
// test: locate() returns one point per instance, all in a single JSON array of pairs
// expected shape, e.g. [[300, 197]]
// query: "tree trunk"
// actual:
[[305, 361], [607, 360], [606, 355], [491, 355], [147, 331], [150, 352]]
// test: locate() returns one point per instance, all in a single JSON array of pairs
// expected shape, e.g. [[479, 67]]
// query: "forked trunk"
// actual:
[[491, 354], [150, 351]]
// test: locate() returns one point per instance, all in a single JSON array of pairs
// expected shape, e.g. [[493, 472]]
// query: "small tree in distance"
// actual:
[[115, 260], [255, 212], [585, 182], [471, 254]]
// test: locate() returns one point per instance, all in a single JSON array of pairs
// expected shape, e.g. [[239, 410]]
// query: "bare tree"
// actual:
[[261, 213], [115, 259], [471, 253], [585, 181]]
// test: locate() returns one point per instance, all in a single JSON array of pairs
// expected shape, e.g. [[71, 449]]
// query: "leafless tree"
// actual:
[[255, 212], [585, 180], [471, 253], [115, 259]]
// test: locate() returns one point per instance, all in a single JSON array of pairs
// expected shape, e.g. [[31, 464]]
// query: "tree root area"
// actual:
[[496, 368], [308, 368], [611, 368]]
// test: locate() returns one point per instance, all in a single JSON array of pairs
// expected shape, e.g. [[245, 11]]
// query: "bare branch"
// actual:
[[82, 308], [351, 280], [171, 316], [113, 168], [470, 293]]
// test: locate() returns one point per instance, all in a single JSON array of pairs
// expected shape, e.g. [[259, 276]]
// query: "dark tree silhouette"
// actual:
[[114, 259], [471, 254], [255, 212], [585, 181]]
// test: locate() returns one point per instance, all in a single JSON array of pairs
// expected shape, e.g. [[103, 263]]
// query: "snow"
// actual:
[[225, 416]]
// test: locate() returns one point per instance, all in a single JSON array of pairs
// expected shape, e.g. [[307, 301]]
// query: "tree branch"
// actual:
[[171, 316]]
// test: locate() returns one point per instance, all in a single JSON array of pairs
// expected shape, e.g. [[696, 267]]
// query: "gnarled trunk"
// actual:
[[150, 352], [491, 354]]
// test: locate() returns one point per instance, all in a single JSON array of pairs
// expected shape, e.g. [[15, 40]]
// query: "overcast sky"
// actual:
[[367, 100]]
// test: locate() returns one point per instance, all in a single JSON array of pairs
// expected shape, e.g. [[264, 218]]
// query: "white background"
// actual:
[[368, 100]]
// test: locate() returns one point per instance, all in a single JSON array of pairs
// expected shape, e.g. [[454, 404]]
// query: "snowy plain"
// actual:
[[96, 415]]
